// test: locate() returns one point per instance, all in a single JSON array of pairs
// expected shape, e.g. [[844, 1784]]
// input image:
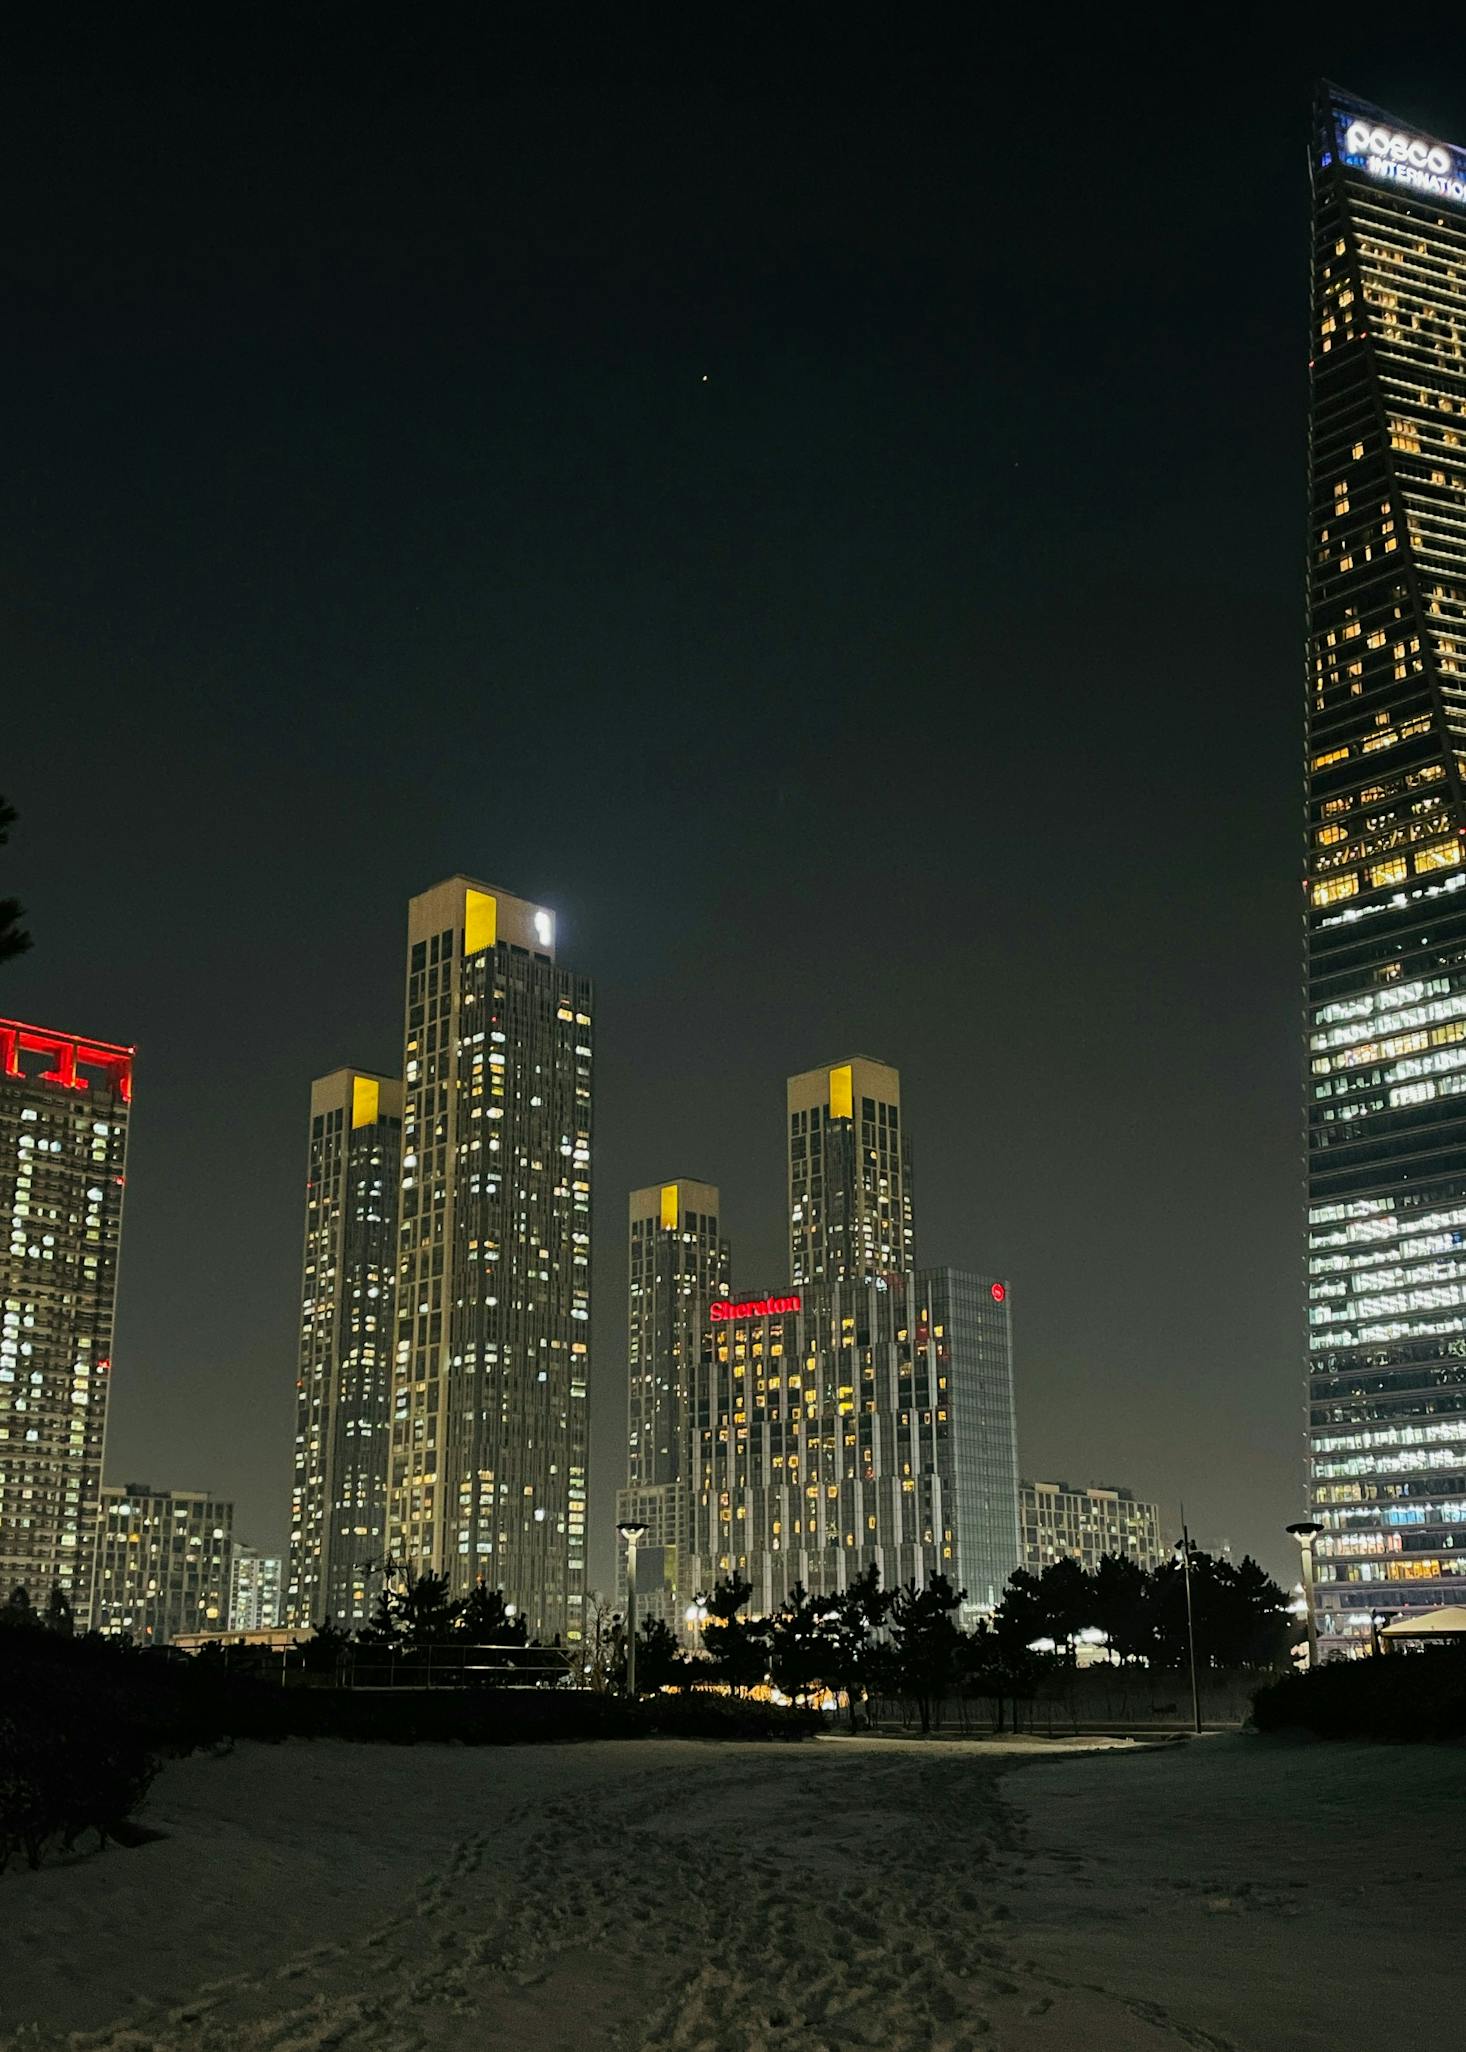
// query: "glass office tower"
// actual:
[[1385, 884]]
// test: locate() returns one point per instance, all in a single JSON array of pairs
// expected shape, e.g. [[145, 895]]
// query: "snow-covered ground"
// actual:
[[1231, 1895]]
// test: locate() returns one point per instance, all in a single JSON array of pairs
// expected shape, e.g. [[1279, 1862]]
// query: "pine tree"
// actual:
[[59, 1616], [485, 1619], [737, 1647], [848, 1628], [925, 1642], [13, 938], [426, 1609], [659, 1660], [19, 1613], [798, 1651]]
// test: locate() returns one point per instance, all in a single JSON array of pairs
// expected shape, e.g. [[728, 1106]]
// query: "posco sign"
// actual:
[[1396, 157]]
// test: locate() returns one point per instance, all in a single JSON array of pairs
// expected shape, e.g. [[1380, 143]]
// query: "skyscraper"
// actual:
[[64, 1108], [1385, 910], [850, 1210], [338, 1509], [489, 1427], [677, 1264]]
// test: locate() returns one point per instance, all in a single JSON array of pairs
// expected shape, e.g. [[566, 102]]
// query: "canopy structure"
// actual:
[[1448, 1623]]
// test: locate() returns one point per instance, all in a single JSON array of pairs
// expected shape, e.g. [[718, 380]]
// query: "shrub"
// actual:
[[62, 1783], [1400, 1697], [698, 1713]]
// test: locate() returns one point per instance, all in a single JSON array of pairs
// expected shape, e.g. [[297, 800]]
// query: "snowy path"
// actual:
[[849, 1896]]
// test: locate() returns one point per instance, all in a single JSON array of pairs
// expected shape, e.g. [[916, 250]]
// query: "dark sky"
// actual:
[[816, 496]]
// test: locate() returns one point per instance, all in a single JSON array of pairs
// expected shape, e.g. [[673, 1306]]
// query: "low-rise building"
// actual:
[[164, 1562], [1061, 1522]]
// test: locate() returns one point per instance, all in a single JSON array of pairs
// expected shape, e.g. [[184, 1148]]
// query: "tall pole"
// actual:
[[1305, 1533], [631, 1533], [1190, 1622]]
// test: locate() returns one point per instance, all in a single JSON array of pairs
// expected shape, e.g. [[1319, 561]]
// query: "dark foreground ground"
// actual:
[[830, 1897]]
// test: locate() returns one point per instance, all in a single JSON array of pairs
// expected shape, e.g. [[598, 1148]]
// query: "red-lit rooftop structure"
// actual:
[[69, 1056]]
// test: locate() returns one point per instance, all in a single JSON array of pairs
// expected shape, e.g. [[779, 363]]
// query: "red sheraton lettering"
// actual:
[[754, 1307]]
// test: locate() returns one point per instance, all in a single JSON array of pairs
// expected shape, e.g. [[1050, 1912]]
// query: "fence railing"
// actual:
[[404, 1666]]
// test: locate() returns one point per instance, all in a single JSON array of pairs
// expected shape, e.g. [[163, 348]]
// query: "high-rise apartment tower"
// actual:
[[347, 1332], [489, 1426], [64, 1107], [256, 1589], [1385, 882], [850, 1213], [677, 1264]]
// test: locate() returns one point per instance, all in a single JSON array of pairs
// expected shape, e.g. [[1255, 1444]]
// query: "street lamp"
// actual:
[[1305, 1532], [1183, 1547], [631, 1533]]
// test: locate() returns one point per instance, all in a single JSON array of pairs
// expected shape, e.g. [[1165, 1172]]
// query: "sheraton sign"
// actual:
[[753, 1307]]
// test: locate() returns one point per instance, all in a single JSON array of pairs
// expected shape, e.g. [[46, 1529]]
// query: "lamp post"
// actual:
[[1305, 1532], [1183, 1547], [631, 1533]]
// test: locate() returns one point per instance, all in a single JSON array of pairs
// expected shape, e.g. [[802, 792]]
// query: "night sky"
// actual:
[[814, 496]]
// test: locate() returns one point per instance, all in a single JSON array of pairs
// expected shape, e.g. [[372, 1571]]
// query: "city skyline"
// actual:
[[838, 1411], [414, 538]]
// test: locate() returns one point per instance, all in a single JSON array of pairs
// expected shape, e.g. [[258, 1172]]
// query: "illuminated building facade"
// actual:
[[489, 1422], [850, 1210], [677, 1265], [256, 1590], [64, 1107], [338, 1506], [164, 1562], [1385, 885], [871, 1423], [1060, 1522]]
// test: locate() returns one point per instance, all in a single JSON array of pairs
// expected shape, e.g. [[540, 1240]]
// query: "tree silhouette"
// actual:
[[426, 1610], [1240, 1614], [14, 940], [925, 1642], [659, 1660], [1001, 1672], [59, 1616], [798, 1651], [484, 1619], [848, 1629], [1120, 1605], [19, 1613], [737, 1647], [382, 1627]]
